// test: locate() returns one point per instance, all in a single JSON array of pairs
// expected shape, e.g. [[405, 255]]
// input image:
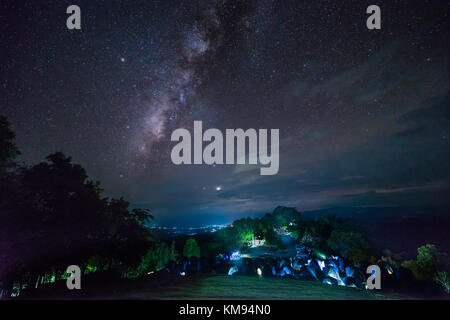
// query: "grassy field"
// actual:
[[245, 287]]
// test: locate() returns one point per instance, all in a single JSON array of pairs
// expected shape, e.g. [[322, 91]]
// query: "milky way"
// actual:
[[363, 114]]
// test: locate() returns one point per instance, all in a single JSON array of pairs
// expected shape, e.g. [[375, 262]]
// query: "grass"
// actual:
[[247, 287]]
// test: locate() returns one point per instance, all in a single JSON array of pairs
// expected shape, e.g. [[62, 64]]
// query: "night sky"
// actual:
[[363, 114]]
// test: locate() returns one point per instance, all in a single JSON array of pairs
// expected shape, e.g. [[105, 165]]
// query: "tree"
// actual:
[[443, 278], [173, 252], [8, 150], [191, 248], [429, 258], [10, 197], [55, 216], [428, 262], [349, 244]]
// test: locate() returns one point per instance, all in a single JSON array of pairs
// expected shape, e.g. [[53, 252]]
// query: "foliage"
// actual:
[[191, 248], [428, 259], [155, 258], [443, 278], [323, 227], [8, 150], [327, 234], [390, 260], [53, 216], [238, 235], [428, 262], [349, 245], [173, 252]]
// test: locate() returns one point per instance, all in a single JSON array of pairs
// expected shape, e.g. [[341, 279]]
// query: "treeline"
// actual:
[[328, 235], [52, 216]]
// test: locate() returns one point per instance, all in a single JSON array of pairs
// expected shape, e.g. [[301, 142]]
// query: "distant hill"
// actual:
[[397, 228]]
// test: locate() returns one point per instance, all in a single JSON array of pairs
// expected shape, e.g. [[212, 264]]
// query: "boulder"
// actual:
[[233, 270], [306, 274], [349, 282], [286, 271], [268, 271], [297, 265], [330, 281], [313, 272], [284, 262], [349, 271], [246, 267]]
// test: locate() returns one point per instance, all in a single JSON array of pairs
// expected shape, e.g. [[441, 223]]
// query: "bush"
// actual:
[[155, 258], [191, 248], [350, 245], [443, 278], [427, 264]]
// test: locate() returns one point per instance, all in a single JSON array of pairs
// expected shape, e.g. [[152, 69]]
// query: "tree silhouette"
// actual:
[[191, 248], [8, 150], [52, 215]]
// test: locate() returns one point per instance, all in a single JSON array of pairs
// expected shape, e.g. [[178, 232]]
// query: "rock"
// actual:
[[233, 270], [312, 272], [285, 271], [268, 271], [349, 271], [306, 274], [349, 282], [333, 272], [330, 281], [247, 267], [284, 262], [297, 265]]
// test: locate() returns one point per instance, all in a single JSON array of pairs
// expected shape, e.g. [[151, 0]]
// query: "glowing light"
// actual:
[[320, 255], [218, 188], [259, 272], [321, 264], [235, 255], [232, 270], [389, 270]]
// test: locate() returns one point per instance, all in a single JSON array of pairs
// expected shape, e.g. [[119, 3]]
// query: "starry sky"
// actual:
[[363, 114]]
